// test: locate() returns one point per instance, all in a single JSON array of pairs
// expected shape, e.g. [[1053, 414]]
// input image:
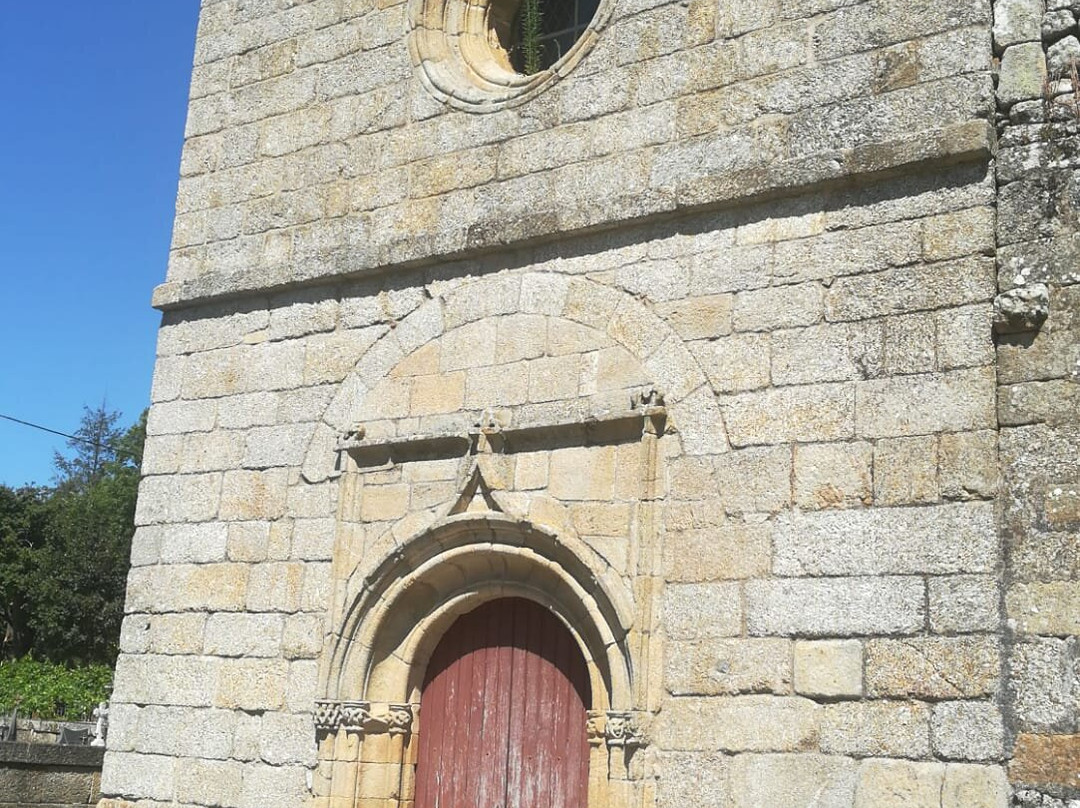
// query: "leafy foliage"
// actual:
[[47, 690], [64, 550]]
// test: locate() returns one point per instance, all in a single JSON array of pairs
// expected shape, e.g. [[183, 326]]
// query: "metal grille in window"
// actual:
[[544, 30]]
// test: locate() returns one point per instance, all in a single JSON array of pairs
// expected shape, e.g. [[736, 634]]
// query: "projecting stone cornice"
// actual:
[[968, 142]]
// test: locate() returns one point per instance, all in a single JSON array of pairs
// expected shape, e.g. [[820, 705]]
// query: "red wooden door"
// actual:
[[503, 713]]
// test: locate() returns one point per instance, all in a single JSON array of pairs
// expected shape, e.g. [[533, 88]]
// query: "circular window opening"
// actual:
[[486, 54]]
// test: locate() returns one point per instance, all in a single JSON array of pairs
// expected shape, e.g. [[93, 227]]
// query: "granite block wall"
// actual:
[[726, 343]]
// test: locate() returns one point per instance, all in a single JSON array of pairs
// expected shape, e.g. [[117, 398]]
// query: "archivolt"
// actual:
[[402, 609]]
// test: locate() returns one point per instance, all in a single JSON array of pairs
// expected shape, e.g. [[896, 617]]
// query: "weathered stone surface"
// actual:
[[779, 307], [735, 363], [206, 781], [826, 353], [909, 289], [1017, 21], [1022, 309], [964, 603], [942, 539], [182, 731], [829, 668], [930, 785], [728, 551], [167, 680], [910, 344], [948, 402], [906, 471], [791, 781], [833, 475], [1045, 608], [1065, 53], [964, 337], [150, 776], [188, 587], [968, 730], [1051, 402], [698, 778], [821, 607], [236, 635], [876, 728], [894, 782], [739, 724], [1046, 760], [1042, 680], [251, 685], [755, 480], [967, 465], [34, 786], [983, 786], [700, 317], [933, 667], [794, 414], [1023, 71], [692, 611], [728, 667]]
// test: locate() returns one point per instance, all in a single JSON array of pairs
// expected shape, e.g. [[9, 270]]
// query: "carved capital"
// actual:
[[363, 717], [400, 719], [595, 726], [616, 728], [334, 715]]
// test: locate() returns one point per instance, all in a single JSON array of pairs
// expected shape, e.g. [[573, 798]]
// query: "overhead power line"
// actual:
[[53, 431], [96, 445]]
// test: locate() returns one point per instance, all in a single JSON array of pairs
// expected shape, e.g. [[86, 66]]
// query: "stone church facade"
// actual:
[[744, 339]]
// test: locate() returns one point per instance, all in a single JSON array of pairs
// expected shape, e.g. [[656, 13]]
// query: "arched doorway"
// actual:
[[503, 713]]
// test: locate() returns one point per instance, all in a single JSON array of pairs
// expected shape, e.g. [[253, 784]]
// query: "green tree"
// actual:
[[92, 449], [83, 563], [23, 528], [64, 551]]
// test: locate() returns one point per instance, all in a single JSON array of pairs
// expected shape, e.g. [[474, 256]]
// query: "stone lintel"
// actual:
[[603, 429]]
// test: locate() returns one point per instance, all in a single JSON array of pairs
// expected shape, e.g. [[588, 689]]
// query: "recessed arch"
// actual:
[[691, 403], [403, 607]]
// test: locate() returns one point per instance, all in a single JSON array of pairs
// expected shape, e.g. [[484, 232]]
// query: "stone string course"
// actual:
[[839, 562]]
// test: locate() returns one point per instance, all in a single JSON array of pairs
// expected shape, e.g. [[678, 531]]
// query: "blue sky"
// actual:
[[94, 99]]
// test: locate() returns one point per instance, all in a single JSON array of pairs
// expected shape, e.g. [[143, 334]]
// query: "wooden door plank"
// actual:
[[519, 676], [503, 713]]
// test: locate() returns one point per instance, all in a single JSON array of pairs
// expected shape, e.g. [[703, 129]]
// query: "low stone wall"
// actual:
[[46, 774], [40, 731]]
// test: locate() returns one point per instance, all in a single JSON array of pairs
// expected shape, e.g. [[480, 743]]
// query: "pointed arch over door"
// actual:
[[503, 713]]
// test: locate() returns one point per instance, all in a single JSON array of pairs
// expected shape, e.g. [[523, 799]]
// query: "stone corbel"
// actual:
[[650, 403], [363, 717], [1023, 309], [618, 729], [486, 436]]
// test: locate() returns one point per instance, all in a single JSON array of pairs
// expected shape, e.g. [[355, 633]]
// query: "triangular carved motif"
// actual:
[[476, 496]]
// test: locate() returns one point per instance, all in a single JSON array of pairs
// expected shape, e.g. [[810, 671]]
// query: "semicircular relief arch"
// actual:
[[611, 317], [504, 441]]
